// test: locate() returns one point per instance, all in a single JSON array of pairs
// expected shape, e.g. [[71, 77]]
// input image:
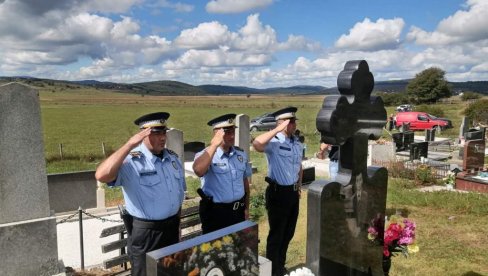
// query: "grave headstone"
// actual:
[[243, 134], [380, 154], [229, 251], [473, 134], [418, 150], [408, 138], [340, 211], [474, 155], [27, 229], [174, 142], [464, 127], [398, 141], [191, 148], [429, 135]]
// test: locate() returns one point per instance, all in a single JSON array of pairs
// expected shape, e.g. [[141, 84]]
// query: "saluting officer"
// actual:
[[223, 170], [284, 154], [153, 184]]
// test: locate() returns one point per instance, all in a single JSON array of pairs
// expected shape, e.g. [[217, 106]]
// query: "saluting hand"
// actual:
[[218, 138], [138, 137], [282, 126]]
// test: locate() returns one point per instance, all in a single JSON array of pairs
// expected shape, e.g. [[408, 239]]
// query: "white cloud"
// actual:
[[464, 26], [206, 35], [235, 6], [373, 36]]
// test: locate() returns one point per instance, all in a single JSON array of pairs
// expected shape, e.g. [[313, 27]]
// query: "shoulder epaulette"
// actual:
[[238, 148], [172, 152], [135, 153]]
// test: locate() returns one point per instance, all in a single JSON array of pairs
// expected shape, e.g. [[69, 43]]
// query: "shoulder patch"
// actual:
[[135, 153], [238, 148], [172, 152]]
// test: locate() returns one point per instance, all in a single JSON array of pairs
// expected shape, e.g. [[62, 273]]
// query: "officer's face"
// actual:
[[229, 136], [156, 141]]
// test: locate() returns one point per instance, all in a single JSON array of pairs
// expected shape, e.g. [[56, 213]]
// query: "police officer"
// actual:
[[223, 170], [153, 184], [284, 154]]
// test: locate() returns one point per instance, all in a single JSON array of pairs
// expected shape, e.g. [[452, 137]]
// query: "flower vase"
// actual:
[[386, 265]]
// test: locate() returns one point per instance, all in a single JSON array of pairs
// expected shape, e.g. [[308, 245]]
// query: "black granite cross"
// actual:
[[348, 204]]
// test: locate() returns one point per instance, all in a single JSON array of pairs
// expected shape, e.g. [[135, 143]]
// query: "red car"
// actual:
[[421, 121]]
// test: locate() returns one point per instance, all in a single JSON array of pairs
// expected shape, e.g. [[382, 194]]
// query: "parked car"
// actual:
[[421, 121], [404, 107], [264, 122]]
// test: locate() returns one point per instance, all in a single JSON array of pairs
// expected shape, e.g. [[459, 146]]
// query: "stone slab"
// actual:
[[68, 191], [23, 181], [29, 248]]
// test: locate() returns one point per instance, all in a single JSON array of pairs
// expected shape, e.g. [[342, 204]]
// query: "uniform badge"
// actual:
[[174, 165], [239, 157]]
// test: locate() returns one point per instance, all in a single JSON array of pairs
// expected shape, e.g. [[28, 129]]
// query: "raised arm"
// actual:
[[201, 164], [262, 140], [107, 171]]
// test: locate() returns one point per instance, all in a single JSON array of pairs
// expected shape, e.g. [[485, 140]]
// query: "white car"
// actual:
[[404, 107]]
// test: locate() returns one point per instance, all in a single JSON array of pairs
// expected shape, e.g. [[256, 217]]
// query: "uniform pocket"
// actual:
[[149, 179]]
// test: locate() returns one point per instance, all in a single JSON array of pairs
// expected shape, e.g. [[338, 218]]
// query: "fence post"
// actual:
[[61, 150], [103, 149], [82, 251]]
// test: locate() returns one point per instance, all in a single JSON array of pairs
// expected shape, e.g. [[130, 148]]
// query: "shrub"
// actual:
[[431, 109], [257, 206], [477, 112], [470, 96], [424, 175]]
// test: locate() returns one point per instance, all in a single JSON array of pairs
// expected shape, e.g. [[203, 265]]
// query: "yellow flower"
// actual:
[[413, 248], [371, 237], [227, 239], [217, 245], [205, 247]]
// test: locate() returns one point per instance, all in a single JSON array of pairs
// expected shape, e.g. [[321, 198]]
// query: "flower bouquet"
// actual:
[[449, 180], [396, 236]]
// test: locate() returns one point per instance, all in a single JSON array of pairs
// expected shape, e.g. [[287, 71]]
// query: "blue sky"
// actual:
[[256, 43]]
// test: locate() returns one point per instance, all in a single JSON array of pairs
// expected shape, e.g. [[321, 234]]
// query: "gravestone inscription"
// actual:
[[339, 212]]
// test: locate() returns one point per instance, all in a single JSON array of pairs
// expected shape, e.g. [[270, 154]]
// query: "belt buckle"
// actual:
[[236, 206], [295, 187]]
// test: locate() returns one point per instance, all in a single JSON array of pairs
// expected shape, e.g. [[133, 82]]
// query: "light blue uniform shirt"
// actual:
[[284, 157], [153, 188], [224, 179]]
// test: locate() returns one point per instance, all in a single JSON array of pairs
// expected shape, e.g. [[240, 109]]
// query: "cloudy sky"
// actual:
[[255, 43]]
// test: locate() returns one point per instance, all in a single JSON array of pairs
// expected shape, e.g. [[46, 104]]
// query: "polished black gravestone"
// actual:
[[418, 150], [339, 212], [229, 251]]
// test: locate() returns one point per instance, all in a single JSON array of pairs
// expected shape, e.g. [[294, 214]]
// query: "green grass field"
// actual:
[[452, 227]]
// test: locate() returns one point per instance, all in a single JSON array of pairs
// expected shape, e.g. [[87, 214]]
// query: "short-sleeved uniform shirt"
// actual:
[[153, 187], [284, 157], [224, 179]]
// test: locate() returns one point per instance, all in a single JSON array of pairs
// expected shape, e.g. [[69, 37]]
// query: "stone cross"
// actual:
[[339, 212], [27, 229]]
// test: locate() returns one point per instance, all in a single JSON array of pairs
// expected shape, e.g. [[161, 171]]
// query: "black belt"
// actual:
[[154, 224], [232, 205], [286, 188]]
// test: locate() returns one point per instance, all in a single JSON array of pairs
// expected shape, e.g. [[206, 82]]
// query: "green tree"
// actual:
[[428, 86]]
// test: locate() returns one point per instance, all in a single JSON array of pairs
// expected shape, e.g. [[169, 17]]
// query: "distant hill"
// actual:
[[179, 88]]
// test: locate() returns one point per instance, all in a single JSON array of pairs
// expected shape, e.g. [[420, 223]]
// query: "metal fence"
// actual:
[[408, 168]]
